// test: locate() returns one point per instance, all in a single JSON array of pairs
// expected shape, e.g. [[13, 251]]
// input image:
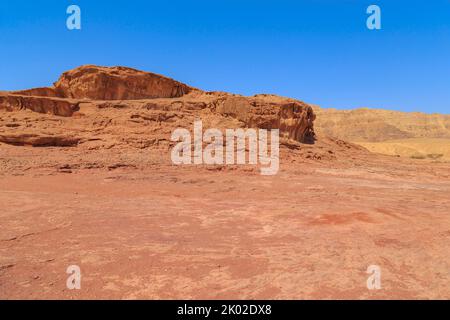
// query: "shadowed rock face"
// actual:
[[150, 108], [295, 119], [39, 140]]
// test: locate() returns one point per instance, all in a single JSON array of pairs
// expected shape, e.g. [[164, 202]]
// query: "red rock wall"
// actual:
[[294, 119], [55, 106]]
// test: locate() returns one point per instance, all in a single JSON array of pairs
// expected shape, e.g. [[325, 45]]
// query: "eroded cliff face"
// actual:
[[295, 119], [150, 108], [44, 104]]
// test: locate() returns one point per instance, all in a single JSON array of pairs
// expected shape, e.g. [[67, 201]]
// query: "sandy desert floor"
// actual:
[[418, 148], [165, 232], [89, 182]]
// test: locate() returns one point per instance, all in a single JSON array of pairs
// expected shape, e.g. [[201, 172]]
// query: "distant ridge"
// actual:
[[411, 134]]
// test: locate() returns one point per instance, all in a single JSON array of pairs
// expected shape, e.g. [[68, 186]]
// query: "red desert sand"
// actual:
[[86, 179]]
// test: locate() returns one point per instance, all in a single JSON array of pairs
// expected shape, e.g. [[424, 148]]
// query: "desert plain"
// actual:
[[86, 179]]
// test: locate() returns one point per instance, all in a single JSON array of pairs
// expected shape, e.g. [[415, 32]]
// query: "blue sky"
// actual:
[[318, 51]]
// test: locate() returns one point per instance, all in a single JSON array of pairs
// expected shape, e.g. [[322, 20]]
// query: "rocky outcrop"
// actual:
[[117, 83], [294, 118], [37, 140], [40, 92], [54, 106], [124, 107]]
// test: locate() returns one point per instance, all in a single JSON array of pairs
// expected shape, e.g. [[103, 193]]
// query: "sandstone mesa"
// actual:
[[89, 95]]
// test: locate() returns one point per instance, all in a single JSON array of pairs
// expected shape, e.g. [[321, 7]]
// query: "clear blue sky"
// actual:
[[319, 51]]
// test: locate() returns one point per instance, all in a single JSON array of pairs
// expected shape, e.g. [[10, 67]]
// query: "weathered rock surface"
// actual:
[[150, 108], [295, 119], [117, 83], [43, 104]]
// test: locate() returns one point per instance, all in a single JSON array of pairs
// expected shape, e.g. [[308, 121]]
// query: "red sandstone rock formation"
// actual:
[[117, 83], [44, 104], [294, 118], [146, 102]]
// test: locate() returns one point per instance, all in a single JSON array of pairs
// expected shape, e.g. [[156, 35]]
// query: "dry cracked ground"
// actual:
[[140, 227]]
